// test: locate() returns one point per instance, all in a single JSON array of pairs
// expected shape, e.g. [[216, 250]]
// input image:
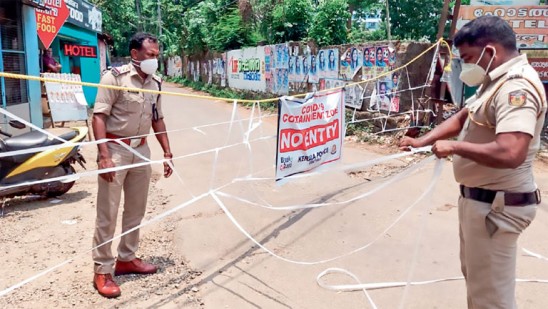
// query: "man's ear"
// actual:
[[133, 53]]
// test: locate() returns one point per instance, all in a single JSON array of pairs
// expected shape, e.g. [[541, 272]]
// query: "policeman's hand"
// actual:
[[443, 149], [106, 163], [167, 167], [407, 142]]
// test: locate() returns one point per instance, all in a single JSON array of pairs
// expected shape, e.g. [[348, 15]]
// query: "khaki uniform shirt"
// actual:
[[129, 113], [517, 106]]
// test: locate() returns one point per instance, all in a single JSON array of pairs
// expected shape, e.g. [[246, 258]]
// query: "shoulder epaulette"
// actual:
[[157, 78], [117, 71]]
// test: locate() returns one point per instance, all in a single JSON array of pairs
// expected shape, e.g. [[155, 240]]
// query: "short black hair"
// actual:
[[137, 40], [487, 29]]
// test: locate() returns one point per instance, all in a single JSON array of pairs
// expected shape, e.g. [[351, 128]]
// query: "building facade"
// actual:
[[75, 48]]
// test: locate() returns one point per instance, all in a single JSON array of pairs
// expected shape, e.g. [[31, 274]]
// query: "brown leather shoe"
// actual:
[[105, 285], [135, 266]]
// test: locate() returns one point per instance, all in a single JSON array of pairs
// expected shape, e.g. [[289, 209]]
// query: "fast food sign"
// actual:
[[50, 20]]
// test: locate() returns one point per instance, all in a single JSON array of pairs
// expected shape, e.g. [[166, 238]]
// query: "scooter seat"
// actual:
[[30, 140], [25, 141], [34, 139]]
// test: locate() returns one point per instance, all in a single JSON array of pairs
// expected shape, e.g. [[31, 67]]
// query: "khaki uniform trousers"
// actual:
[[135, 183], [488, 245]]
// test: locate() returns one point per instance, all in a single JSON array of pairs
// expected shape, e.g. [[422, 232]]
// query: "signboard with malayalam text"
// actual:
[[530, 23]]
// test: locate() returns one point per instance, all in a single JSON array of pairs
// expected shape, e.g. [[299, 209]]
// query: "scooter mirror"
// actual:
[[17, 124]]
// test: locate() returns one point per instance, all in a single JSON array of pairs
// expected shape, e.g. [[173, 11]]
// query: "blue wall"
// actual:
[[90, 67], [33, 65]]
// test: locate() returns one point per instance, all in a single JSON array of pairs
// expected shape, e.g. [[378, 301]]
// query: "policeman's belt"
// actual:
[[132, 142], [510, 199]]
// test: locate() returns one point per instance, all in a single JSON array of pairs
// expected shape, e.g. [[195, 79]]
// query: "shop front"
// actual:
[[76, 45], [19, 53]]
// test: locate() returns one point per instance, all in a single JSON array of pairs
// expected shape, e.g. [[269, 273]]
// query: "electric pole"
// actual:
[[388, 21], [160, 36], [139, 19]]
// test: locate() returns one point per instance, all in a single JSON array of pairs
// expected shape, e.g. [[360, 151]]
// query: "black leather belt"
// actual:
[[510, 199]]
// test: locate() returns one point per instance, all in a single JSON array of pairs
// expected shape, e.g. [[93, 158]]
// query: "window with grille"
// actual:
[[12, 53]]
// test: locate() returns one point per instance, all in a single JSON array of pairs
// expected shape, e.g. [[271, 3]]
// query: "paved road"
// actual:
[[237, 274]]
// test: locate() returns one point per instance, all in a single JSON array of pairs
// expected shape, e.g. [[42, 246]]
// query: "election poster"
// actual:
[[269, 68], [282, 56], [328, 63], [369, 70], [351, 63], [66, 102], [310, 132], [281, 81], [293, 68], [245, 69], [313, 75], [529, 22], [385, 96]]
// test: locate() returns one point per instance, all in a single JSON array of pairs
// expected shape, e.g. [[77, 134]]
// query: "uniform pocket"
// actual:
[[133, 102], [511, 220]]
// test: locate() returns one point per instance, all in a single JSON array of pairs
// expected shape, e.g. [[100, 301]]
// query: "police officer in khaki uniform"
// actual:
[[499, 136], [123, 115]]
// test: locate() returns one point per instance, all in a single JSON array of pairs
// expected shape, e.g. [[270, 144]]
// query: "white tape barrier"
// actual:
[[72, 177], [347, 167], [81, 144], [387, 183], [437, 172]]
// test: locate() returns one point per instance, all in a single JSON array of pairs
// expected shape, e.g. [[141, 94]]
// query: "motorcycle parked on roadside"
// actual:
[[31, 167]]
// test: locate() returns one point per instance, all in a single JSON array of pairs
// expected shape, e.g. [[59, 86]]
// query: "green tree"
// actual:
[[230, 32], [119, 21], [329, 23], [291, 20]]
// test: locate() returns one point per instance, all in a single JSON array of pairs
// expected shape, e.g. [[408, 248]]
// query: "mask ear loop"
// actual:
[[492, 58]]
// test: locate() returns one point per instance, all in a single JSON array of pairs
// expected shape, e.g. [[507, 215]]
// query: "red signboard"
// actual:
[[49, 21], [73, 50], [538, 58]]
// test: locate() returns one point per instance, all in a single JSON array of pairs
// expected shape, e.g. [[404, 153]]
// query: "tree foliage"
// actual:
[[196, 26], [329, 23], [291, 20]]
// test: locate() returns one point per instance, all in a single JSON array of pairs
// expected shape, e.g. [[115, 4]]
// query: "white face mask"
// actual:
[[473, 74], [148, 66]]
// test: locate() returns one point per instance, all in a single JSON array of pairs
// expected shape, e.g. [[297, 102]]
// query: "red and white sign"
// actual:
[[310, 132], [73, 50], [49, 21]]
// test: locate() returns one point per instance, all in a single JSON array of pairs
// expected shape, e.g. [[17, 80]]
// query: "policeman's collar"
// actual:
[[507, 66]]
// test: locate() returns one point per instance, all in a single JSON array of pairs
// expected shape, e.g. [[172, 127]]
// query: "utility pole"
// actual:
[[139, 19], [160, 37], [388, 21]]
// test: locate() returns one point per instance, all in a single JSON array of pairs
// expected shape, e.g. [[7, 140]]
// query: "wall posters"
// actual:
[[328, 63], [66, 102], [353, 95], [246, 69], [530, 23], [313, 75], [310, 132], [385, 96], [174, 66], [351, 63], [281, 69], [269, 68]]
